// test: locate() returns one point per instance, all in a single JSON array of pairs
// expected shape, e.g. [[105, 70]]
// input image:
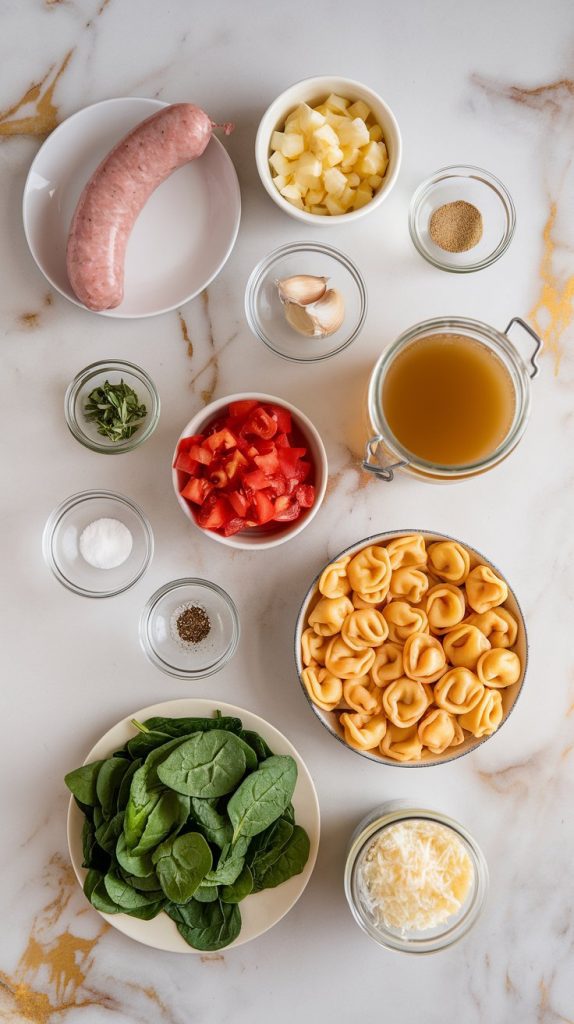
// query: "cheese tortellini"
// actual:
[[403, 620], [365, 627], [412, 648], [484, 589], [370, 571], [329, 614], [405, 701]]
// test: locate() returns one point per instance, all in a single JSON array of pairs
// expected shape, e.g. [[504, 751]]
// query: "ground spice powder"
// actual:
[[456, 227], [193, 624]]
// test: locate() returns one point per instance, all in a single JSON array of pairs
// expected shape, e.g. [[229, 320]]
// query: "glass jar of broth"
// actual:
[[449, 399]]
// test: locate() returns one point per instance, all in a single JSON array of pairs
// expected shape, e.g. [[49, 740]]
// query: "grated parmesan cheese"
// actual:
[[414, 876]]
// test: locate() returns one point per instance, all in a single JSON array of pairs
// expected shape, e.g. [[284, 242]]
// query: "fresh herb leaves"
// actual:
[[116, 409]]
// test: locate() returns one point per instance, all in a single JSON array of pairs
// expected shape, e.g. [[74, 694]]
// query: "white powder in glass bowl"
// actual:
[[106, 543]]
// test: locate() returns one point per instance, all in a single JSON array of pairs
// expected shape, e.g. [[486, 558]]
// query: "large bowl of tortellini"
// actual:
[[411, 648]]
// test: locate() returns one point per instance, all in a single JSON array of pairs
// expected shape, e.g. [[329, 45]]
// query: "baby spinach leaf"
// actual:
[[148, 912], [271, 842], [206, 893], [149, 884], [108, 832], [139, 865], [124, 790], [124, 896], [262, 796], [82, 782], [230, 863], [181, 864], [95, 890], [187, 726], [108, 784], [240, 888], [257, 743], [168, 815], [142, 800], [291, 861], [209, 926], [208, 764], [215, 826], [93, 855], [251, 761]]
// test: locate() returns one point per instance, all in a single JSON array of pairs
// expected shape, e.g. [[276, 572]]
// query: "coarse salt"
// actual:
[[106, 543]]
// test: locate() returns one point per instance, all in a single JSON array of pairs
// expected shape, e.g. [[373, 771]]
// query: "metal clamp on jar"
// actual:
[[384, 454]]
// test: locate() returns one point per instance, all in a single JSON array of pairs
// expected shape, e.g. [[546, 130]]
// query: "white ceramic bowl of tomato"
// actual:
[[250, 471]]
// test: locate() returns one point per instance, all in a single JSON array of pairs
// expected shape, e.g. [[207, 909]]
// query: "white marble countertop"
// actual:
[[490, 84]]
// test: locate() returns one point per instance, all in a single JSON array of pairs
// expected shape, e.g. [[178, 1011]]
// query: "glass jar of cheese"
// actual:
[[415, 880]]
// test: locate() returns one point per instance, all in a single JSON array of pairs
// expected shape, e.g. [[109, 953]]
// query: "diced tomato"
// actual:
[[282, 441], [220, 439], [256, 480], [201, 454], [268, 463], [185, 463], [286, 509], [283, 417], [260, 424], [278, 484], [263, 507], [305, 495], [186, 442], [234, 463], [233, 525], [218, 476], [238, 502], [289, 458], [242, 408], [302, 470], [262, 446], [197, 490], [214, 513]]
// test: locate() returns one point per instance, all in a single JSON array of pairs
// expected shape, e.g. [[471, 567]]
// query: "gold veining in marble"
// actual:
[[553, 311], [185, 334], [208, 393], [35, 113]]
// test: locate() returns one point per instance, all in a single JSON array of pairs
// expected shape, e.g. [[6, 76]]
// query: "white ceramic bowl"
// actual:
[[258, 912], [182, 237], [314, 91], [263, 537], [510, 694]]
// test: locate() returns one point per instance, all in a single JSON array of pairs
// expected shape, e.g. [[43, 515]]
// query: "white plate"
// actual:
[[258, 912], [181, 239]]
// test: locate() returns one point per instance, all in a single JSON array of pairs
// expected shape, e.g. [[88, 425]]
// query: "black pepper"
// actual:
[[193, 625]]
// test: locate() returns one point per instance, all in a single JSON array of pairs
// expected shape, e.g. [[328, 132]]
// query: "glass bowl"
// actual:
[[158, 629], [430, 940], [265, 311], [84, 430], [478, 187], [60, 543]]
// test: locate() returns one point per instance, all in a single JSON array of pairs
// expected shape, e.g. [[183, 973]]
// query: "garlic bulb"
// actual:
[[302, 288], [317, 319]]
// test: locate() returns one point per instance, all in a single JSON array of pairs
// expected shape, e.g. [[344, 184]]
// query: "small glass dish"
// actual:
[[158, 629], [431, 940], [479, 188], [265, 311], [61, 538], [95, 375]]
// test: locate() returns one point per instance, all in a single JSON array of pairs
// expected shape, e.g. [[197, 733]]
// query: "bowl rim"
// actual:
[[262, 148], [56, 516], [83, 377], [462, 171], [265, 264], [291, 531], [378, 758], [150, 650]]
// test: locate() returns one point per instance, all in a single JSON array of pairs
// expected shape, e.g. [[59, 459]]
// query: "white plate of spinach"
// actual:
[[200, 833]]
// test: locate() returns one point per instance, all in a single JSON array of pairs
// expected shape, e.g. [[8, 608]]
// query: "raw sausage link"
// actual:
[[117, 192]]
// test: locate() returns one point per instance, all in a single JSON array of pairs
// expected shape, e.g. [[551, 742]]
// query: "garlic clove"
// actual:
[[317, 319], [302, 289]]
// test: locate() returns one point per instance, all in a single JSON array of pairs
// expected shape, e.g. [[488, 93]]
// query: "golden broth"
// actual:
[[448, 399]]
